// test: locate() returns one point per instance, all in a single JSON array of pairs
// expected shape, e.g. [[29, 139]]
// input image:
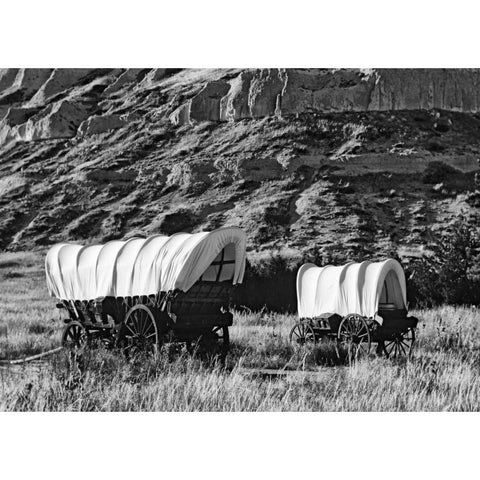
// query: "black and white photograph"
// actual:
[[312, 229], [208, 234]]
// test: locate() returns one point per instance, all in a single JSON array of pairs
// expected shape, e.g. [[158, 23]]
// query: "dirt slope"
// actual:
[[337, 161]]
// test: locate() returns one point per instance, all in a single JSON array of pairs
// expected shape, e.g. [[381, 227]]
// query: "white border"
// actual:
[[250, 33], [239, 446]]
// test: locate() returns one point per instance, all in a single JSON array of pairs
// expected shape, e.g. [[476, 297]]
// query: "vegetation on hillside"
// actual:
[[448, 274]]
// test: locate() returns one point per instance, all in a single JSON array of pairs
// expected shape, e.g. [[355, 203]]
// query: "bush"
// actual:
[[452, 274], [437, 172], [269, 284]]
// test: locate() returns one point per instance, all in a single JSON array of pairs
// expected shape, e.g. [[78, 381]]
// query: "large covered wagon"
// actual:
[[356, 304], [141, 292]]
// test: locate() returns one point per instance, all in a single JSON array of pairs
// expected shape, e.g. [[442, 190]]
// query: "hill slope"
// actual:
[[335, 161]]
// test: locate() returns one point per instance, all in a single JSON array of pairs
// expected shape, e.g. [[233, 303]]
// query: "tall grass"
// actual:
[[443, 374]]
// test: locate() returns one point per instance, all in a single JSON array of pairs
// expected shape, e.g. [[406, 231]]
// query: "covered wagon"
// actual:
[[140, 292], [356, 304]]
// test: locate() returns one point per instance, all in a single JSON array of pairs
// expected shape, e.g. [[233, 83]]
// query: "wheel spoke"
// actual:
[[149, 327], [389, 347], [140, 321], [136, 319], [147, 323]]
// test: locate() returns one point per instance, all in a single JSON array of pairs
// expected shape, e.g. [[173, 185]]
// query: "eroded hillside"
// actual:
[[301, 159]]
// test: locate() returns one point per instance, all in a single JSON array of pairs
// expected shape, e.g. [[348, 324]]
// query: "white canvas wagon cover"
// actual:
[[352, 288], [145, 266]]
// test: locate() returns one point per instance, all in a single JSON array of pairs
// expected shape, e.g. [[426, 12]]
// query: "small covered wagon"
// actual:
[[356, 304], [141, 292]]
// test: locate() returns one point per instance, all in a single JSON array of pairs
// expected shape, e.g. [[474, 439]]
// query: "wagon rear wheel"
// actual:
[[302, 334], [354, 336], [400, 344], [74, 337], [216, 341], [139, 332]]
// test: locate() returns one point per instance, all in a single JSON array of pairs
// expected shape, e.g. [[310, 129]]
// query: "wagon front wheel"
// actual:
[[74, 337], [400, 344], [139, 332], [354, 336], [302, 334]]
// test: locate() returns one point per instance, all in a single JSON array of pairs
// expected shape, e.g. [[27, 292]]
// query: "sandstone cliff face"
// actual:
[[234, 95], [261, 93], [334, 159]]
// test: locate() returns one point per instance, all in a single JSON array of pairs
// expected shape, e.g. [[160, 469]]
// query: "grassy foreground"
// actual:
[[443, 374]]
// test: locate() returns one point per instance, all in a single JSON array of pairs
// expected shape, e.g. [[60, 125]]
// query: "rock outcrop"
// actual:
[[266, 92], [129, 76], [59, 80], [360, 162], [61, 121], [233, 95], [101, 123], [22, 86]]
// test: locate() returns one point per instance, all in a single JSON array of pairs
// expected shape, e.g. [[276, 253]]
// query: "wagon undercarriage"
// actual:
[[198, 318], [355, 334]]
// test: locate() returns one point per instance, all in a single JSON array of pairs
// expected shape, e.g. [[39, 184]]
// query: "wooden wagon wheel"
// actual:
[[139, 332], [74, 336], [400, 344], [303, 334], [354, 335]]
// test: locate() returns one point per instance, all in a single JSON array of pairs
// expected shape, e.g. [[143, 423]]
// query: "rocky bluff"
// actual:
[[360, 161]]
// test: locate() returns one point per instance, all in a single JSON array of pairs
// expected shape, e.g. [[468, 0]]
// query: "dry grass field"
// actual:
[[443, 374]]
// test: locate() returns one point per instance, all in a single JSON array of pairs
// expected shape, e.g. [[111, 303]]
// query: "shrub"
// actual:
[[452, 273], [269, 284], [437, 172]]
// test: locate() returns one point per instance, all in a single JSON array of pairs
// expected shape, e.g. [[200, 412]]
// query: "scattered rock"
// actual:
[[12, 185], [101, 123]]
